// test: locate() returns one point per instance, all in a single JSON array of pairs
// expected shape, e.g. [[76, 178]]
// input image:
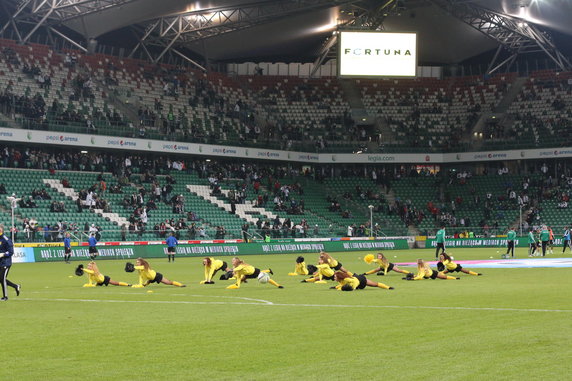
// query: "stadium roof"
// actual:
[[291, 30]]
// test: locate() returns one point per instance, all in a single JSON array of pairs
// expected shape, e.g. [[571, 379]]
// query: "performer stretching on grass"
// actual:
[[348, 282], [95, 278], [324, 272], [301, 268], [243, 271], [147, 275], [212, 266], [426, 272], [384, 265], [451, 266], [337, 266]]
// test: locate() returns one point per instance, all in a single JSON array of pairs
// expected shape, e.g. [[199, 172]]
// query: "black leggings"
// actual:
[[510, 248], [4, 280], [440, 246]]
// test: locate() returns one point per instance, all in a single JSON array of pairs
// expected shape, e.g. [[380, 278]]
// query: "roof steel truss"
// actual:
[[178, 30], [512, 33], [50, 13]]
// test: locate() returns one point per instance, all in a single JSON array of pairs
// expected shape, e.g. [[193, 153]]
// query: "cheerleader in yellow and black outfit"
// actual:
[[323, 273], [348, 282], [212, 266], [337, 266], [426, 272], [243, 271], [301, 268], [95, 278], [384, 265], [451, 266], [147, 275]]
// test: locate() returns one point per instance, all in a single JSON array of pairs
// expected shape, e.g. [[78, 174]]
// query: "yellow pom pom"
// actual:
[[149, 291], [368, 258]]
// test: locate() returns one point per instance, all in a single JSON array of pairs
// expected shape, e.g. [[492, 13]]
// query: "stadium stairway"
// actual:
[[23, 181], [511, 94], [8, 122], [73, 195], [390, 224], [244, 211], [121, 105]]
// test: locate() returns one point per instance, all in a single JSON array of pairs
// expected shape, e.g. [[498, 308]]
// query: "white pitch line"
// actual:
[[266, 303], [262, 301]]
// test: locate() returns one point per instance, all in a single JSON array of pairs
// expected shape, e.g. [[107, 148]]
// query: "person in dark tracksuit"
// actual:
[[92, 246], [6, 252], [171, 246], [67, 248]]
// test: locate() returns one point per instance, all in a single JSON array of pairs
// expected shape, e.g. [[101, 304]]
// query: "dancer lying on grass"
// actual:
[[212, 266], [426, 272], [334, 264], [301, 268], [243, 271], [323, 273], [384, 265], [348, 282], [147, 275], [449, 266], [95, 278]]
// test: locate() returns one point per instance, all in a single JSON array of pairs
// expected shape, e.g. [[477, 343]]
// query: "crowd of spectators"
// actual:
[[270, 188]]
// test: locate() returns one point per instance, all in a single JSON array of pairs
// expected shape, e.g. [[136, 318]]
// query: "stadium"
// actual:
[[223, 169]]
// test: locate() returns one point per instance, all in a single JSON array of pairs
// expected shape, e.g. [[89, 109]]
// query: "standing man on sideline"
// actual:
[[566, 239], [6, 252], [171, 246], [551, 241], [67, 248], [544, 239], [440, 239], [510, 236], [532, 245], [92, 246]]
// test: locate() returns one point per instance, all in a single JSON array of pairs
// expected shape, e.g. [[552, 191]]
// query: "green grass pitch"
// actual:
[[508, 324]]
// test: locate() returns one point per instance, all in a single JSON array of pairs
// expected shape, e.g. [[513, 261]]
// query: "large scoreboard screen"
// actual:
[[377, 54]]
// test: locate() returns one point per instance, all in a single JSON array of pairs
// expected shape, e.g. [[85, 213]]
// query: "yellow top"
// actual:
[[325, 270], [450, 265], [241, 271], [93, 277], [381, 265], [145, 276], [332, 262], [216, 264], [423, 272], [352, 281], [301, 268]]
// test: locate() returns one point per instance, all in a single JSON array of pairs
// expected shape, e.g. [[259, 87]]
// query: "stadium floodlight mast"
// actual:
[[370, 221], [13, 205]]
